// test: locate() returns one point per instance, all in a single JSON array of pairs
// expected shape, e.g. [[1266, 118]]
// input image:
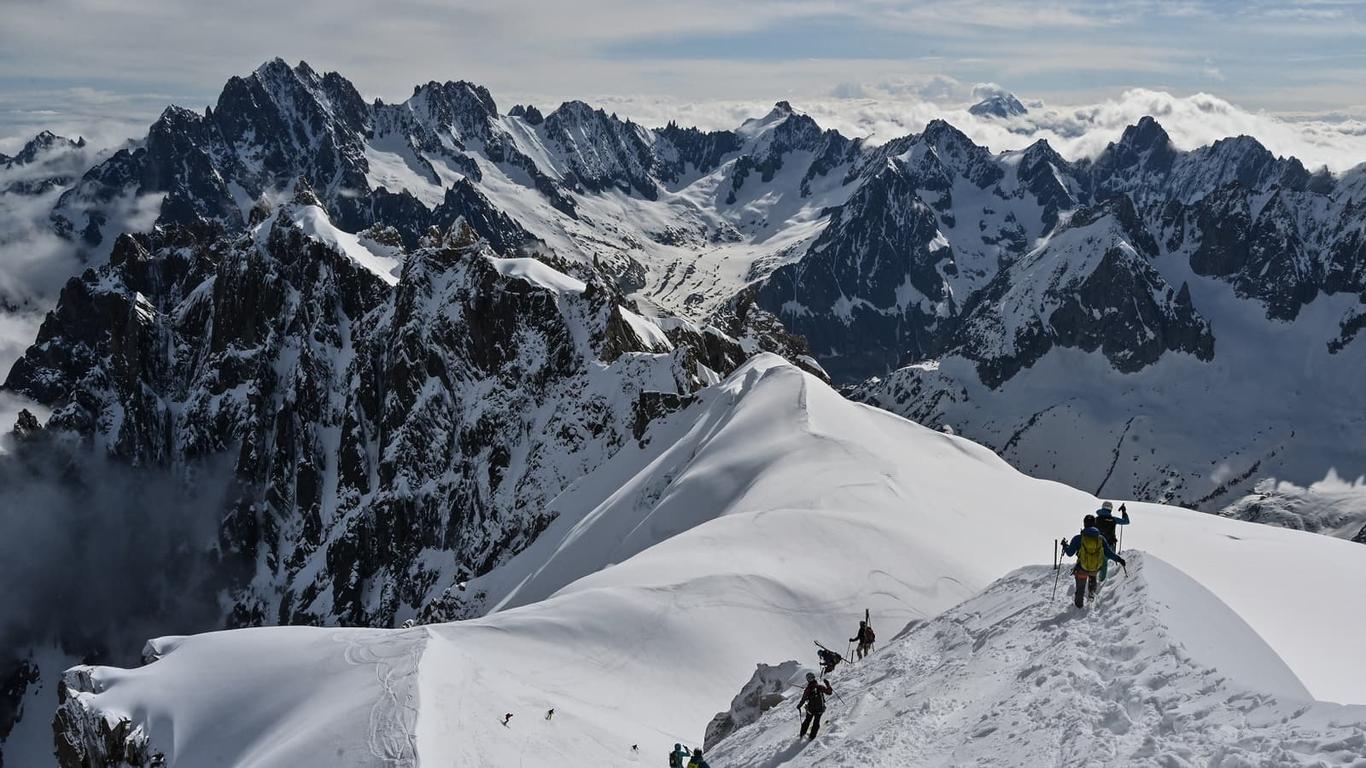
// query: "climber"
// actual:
[[829, 660], [697, 761], [679, 757], [1092, 551], [865, 638], [549, 713], [506, 718], [1106, 522], [813, 698]]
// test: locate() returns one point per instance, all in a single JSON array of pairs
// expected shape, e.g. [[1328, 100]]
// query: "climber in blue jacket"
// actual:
[[1092, 552]]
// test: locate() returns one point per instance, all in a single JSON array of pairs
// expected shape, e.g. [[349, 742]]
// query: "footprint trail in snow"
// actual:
[[1011, 679]]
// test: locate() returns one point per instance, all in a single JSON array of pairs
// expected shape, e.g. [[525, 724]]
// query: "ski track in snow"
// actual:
[[393, 717], [1011, 678]]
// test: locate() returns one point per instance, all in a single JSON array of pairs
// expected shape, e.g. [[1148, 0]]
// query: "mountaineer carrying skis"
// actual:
[[829, 660], [865, 638], [679, 757], [1105, 523], [813, 698], [1092, 551]]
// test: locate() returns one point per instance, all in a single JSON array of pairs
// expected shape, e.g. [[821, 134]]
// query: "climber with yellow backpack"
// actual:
[[1092, 551]]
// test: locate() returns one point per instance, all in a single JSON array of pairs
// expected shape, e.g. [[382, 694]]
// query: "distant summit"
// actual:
[[1000, 105]]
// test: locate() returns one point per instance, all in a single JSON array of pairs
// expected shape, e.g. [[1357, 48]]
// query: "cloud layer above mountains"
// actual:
[[883, 112]]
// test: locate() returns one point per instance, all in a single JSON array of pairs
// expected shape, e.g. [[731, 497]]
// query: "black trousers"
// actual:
[[812, 719], [1084, 578]]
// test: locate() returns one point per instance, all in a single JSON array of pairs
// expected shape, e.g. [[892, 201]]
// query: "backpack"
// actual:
[[1091, 553], [815, 699], [675, 761], [1106, 526], [868, 636]]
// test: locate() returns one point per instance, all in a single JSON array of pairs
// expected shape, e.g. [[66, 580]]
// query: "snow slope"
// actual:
[[1009, 678], [768, 513]]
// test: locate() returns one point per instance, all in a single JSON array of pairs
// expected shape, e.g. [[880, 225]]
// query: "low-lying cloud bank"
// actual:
[[884, 112]]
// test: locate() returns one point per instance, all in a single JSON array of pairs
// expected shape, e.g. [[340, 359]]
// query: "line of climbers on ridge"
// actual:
[[1094, 547], [815, 691]]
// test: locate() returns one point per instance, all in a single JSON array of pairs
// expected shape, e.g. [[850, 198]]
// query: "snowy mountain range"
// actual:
[[429, 339]]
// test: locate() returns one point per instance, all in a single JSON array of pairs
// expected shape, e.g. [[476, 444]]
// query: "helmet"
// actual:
[[1089, 521], [1108, 505], [810, 676]]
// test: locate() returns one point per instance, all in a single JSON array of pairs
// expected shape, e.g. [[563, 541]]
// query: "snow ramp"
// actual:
[[1014, 678]]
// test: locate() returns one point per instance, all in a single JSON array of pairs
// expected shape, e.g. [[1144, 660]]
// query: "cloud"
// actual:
[[987, 90], [105, 118], [1065, 51], [98, 557], [1336, 140]]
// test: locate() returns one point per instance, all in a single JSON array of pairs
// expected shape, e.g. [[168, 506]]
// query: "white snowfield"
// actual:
[[767, 515]]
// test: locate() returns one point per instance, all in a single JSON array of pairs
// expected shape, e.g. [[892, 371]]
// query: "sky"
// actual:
[[105, 68]]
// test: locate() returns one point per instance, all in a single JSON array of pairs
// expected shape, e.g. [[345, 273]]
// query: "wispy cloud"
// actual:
[[1066, 50]]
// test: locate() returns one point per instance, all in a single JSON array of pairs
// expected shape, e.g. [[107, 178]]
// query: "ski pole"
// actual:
[[1055, 554], [1057, 571]]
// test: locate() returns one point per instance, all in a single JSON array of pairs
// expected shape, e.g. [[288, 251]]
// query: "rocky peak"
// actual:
[[529, 113], [1000, 105], [601, 150], [41, 144], [1050, 179], [1138, 164], [1144, 144], [757, 127], [1146, 135], [958, 152], [702, 150], [459, 107], [464, 203], [873, 283]]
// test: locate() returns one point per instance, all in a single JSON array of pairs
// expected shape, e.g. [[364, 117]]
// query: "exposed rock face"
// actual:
[[390, 431], [16, 675], [765, 690], [884, 305], [87, 738], [1064, 294]]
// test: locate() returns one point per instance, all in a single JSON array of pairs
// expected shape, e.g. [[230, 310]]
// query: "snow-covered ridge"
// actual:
[[1159, 672], [769, 512]]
